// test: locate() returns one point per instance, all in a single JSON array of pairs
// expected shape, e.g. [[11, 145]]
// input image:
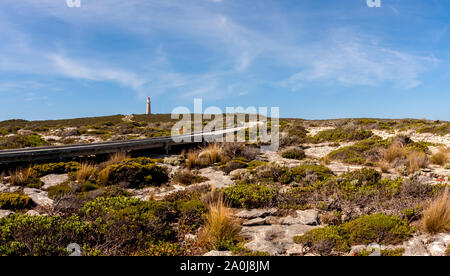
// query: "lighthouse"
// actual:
[[149, 107]]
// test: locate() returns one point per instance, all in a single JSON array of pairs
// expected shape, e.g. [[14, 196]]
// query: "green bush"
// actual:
[[319, 171], [22, 141], [137, 173], [294, 153], [55, 168], [23, 235], [59, 191], [375, 228], [341, 135], [250, 195], [15, 202], [161, 248], [379, 228], [358, 153], [324, 241]]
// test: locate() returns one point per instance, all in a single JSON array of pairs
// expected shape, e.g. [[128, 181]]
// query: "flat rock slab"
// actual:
[[255, 213], [217, 178], [39, 197], [274, 239], [53, 180], [5, 213]]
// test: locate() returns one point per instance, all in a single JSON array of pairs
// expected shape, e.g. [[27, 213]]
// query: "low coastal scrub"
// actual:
[[293, 153], [250, 195], [22, 141], [103, 226], [15, 202], [341, 135], [335, 240]]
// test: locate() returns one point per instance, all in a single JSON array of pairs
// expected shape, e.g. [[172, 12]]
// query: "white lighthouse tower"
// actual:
[[149, 106]]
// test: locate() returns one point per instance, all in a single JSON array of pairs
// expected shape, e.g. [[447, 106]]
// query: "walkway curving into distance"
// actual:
[[63, 152]]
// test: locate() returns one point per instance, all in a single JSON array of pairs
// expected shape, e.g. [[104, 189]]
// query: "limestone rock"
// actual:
[[274, 239], [255, 221], [5, 213], [307, 217], [24, 132], [32, 213], [437, 248], [53, 180], [39, 197], [255, 213], [415, 247], [218, 253]]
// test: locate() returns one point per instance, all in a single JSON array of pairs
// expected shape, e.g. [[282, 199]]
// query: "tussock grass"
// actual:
[[114, 158], [384, 166], [440, 157], [436, 218], [86, 171], [416, 160], [192, 160], [211, 153], [393, 152], [221, 228], [20, 177]]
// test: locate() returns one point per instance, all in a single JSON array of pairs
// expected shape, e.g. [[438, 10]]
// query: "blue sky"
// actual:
[[313, 59]]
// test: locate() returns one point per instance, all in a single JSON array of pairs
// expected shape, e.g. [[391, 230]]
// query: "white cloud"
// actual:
[[76, 70]]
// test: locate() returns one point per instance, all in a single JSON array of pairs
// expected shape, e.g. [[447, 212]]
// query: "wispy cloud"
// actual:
[[73, 69]]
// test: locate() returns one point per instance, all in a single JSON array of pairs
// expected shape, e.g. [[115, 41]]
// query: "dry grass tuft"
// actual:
[[384, 166], [211, 153], [192, 160], [86, 172], [221, 228], [416, 160], [325, 160], [393, 152], [114, 158], [436, 218], [20, 176], [441, 157]]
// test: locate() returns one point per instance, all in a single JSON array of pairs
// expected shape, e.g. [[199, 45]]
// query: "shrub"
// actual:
[[15, 202], [314, 172], [341, 135], [441, 157], [59, 191], [55, 168], [138, 172], [188, 178], [234, 165], [359, 152], [379, 228], [376, 228], [294, 153], [324, 241], [250, 195], [436, 218], [161, 248], [22, 141], [221, 230], [23, 235]]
